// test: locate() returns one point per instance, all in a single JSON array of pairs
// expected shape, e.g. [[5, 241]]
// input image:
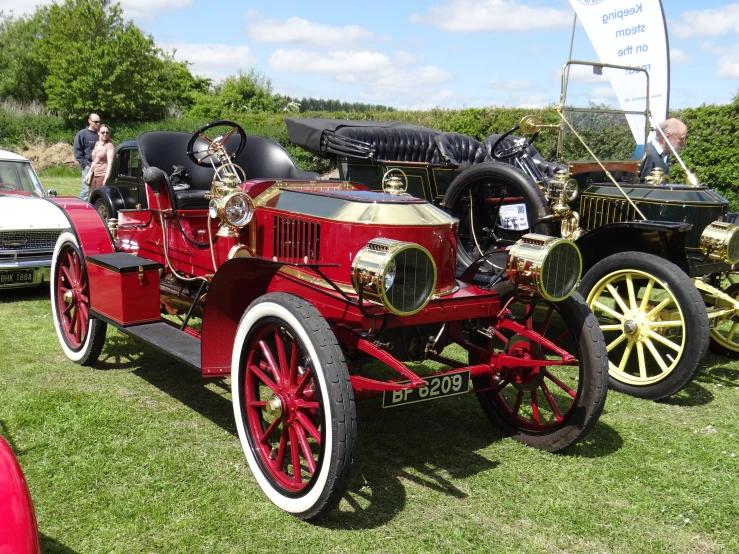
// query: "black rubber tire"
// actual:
[[695, 334], [334, 392], [103, 207], [592, 382], [496, 174], [716, 347], [88, 350]]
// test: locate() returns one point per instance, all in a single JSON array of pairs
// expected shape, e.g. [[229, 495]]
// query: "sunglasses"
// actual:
[[94, 121], [104, 132]]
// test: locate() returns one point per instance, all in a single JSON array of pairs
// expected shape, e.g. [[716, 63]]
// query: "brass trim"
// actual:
[[273, 190]]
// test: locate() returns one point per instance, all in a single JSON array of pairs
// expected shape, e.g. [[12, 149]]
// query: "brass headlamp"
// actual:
[[228, 202], [544, 265], [720, 241], [401, 276]]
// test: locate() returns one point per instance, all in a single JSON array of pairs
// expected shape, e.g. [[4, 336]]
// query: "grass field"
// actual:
[[140, 455]]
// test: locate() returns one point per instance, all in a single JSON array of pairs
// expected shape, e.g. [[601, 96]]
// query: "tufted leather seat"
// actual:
[[397, 144], [548, 169], [461, 150]]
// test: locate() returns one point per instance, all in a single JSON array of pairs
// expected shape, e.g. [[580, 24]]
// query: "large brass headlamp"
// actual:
[[545, 265], [720, 241], [399, 275], [235, 210]]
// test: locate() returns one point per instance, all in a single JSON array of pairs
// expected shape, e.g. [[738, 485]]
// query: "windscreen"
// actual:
[[19, 176], [606, 107]]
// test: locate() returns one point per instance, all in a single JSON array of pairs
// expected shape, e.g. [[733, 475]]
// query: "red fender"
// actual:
[[92, 233], [236, 284], [19, 529]]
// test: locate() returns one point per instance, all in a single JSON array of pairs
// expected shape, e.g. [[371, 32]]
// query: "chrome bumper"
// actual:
[[41, 272]]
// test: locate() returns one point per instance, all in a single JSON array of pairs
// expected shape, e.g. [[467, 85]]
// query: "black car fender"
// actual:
[[661, 238], [115, 199]]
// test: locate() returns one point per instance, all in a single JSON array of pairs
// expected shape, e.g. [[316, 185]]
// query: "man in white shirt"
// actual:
[[658, 152]]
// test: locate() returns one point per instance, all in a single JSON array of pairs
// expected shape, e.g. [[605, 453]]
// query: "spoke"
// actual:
[[263, 378], [535, 407], [282, 357], [292, 381], [65, 271], [560, 384], [228, 136], [550, 400], [625, 357], [630, 289], [306, 405], [642, 361], [78, 326], [305, 422], [545, 322], [562, 337], [647, 295], [202, 136], [653, 350], [304, 380], [305, 447], [617, 297], [667, 342], [295, 452], [84, 316], [616, 342], [529, 320], [730, 336], [282, 449], [274, 368], [614, 327], [665, 324], [269, 431], [609, 311], [659, 307], [257, 404], [67, 308]]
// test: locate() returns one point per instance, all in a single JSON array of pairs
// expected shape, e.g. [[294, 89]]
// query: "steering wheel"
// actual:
[[519, 145], [8, 186], [202, 149]]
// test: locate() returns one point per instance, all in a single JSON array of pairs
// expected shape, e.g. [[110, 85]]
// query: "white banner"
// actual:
[[633, 33]]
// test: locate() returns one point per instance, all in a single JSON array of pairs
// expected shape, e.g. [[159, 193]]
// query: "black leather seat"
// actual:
[[548, 169], [397, 143], [461, 150], [262, 158]]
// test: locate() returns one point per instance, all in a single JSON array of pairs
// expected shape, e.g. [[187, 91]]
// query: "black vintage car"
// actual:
[[657, 256], [262, 158]]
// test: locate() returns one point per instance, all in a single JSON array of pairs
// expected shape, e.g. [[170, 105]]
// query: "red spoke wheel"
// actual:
[[294, 405], [549, 407], [81, 336]]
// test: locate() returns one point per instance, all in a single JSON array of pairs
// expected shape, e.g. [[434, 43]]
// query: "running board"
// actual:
[[168, 339]]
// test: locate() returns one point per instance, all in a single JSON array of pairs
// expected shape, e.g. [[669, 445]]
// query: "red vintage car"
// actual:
[[18, 529], [293, 287]]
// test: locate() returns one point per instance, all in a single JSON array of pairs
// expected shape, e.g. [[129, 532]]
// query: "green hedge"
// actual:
[[711, 151]]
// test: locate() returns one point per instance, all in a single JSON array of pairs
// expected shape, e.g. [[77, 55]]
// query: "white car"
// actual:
[[29, 224]]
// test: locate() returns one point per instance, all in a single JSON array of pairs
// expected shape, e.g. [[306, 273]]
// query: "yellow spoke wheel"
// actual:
[[725, 335], [653, 319]]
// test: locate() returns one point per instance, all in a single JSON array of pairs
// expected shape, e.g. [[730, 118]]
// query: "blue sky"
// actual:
[[421, 54]]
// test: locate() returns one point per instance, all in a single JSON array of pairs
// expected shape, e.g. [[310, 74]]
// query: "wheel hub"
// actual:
[[67, 297], [274, 407], [630, 327], [529, 378]]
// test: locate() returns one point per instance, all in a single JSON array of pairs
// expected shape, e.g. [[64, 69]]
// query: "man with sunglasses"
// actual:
[[84, 142]]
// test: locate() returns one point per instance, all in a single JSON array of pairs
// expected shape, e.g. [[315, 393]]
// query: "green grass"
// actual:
[[139, 454]]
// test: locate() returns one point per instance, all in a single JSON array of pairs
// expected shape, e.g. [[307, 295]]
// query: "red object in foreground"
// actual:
[[18, 528]]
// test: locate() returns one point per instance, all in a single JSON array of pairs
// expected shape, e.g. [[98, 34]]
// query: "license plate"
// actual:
[[438, 386], [17, 277]]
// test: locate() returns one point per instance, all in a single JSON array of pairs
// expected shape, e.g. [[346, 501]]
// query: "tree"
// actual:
[[22, 74], [96, 61], [247, 92]]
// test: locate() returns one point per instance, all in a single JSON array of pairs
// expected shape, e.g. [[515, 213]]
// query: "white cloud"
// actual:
[[301, 31], [469, 16], [512, 85], [132, 9], [728, 64], [383, 79], [215, 61], [678, 56], [707, 23]]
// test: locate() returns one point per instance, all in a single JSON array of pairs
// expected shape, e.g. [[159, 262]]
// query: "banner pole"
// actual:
[[569, 57]]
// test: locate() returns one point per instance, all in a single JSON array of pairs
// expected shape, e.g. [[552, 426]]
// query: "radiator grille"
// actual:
[[28, 240], [295, 237], [595, 212]]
